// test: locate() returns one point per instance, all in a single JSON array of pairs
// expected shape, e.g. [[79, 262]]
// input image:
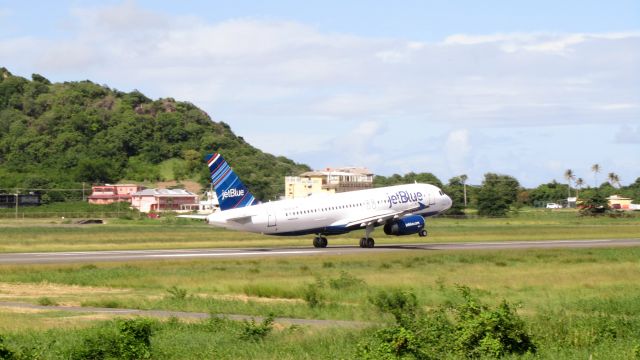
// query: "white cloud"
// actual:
[[288, 79], [619, 106], [360, 144], [250, 63], [628, 135], [457, 149]]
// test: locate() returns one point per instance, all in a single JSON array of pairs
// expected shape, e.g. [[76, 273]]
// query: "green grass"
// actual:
[[71, 209], [171, 233], [538, 279], [575, 302], [217, 339]]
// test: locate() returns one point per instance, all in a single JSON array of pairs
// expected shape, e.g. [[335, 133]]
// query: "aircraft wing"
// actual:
[[381, 218]]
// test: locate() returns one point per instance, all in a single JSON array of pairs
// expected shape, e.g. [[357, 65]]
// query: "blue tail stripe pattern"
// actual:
[[230, 190]]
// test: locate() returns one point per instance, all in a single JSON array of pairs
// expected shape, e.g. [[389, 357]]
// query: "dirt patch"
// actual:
[[247, 298], [15, 290], [19, 310]]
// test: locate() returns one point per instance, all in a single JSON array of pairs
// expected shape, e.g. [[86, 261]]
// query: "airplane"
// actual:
[[400, 209]]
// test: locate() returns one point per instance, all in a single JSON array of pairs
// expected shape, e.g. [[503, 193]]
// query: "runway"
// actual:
[[137, 255]]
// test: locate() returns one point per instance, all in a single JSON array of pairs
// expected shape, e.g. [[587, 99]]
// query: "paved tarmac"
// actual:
[[136, 255]]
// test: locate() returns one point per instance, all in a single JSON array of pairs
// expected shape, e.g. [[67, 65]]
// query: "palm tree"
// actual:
[[464, 178], [568, 174], [579, 184], [596, 169], [614, 179]]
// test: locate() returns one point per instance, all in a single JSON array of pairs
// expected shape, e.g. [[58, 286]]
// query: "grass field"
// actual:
[[577, 303]]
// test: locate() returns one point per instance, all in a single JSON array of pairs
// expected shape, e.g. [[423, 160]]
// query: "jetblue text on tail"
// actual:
[[230, 190]]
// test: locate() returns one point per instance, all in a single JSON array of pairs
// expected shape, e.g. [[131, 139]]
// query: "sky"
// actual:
[[523, 88]]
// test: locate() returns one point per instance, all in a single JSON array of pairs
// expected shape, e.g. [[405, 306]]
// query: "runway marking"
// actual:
[[236, 253], [150, 254]]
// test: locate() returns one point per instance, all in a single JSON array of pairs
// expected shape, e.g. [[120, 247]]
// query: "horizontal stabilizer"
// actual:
[[198, 217]]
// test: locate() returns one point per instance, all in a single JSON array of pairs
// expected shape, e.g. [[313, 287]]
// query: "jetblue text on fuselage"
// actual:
[[403, 197], [232, 193]]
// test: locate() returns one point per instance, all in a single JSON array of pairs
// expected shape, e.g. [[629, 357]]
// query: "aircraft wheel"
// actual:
[[320, 242], [363, 242], [323, 242], [370, 243], [422, 233]]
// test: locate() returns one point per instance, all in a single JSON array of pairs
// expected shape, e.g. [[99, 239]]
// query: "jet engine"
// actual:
[[405, 226]]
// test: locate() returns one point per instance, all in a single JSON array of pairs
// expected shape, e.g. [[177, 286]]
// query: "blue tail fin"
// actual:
[[231, 192]]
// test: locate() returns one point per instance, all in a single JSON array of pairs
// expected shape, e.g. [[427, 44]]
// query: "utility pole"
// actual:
[[17, 197], [464, 178]]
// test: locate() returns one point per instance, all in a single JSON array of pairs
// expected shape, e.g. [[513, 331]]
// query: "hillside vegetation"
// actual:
[[58, 135]]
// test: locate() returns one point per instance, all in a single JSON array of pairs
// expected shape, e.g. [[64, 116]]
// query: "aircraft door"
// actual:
[[371, 204], [271, 220]]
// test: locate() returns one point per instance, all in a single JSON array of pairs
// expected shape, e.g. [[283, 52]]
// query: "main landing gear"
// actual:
[[367, 241], [320, 241]]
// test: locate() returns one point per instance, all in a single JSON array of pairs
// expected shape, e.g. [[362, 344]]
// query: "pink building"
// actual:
[[164, 200], [109, 194]]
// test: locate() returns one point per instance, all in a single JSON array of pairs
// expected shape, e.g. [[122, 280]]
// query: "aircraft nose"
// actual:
[[447, 202]]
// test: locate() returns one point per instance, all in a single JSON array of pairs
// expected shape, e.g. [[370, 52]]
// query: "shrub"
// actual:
[[345, 281], [176, 293], [128, 339], [483, 331], [217, 323], [5, 353], [313, 294], [253, 331], [473, 331], [134, 339], [403, 305], [46, 301]]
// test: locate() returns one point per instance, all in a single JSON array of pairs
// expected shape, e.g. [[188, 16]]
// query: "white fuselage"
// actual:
[[333, 213]]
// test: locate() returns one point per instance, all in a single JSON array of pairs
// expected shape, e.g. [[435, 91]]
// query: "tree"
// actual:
[[596, 204], [614, 180], [96, 171], [464, 178], [569, 176], [596, 169], [496, 194], [455, 191], [408, 178], [579, 184]]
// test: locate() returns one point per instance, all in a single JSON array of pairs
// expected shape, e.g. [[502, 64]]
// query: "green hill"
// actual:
[[58, 135]]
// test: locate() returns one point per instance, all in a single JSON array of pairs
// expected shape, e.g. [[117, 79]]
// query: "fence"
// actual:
[[71, 215]]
